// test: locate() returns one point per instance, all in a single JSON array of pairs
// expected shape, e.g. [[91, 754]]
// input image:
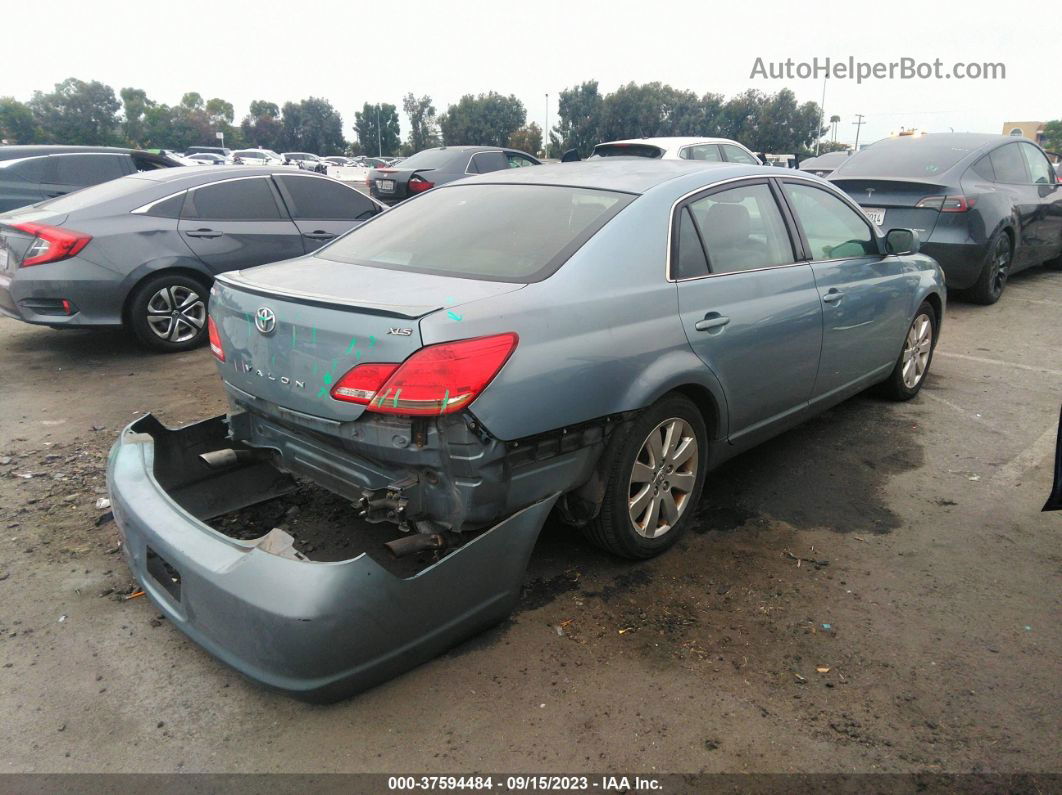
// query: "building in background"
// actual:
[[1033, 130]]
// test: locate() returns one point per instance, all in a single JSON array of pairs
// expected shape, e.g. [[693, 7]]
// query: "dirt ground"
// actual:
[[876, 590]]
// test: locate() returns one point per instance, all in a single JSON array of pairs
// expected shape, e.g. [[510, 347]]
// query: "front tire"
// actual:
[[912, 367], [993, 279], [654, 481], [168, 312]]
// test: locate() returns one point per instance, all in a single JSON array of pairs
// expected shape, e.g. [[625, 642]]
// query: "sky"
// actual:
[[352, 52]]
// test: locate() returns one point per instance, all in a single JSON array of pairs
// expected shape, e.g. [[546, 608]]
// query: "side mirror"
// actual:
[[902, 241], [571, 156]]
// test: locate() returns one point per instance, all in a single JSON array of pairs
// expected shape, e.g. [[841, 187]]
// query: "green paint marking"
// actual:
[[395, 403], [446, 399], [313, 336], [273, 361], [292, 335], [327, 380], [454, 316], [372, 340], [357, 355], [353, 342]]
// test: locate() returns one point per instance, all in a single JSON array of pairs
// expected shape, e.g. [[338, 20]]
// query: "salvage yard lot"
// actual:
[[873, 591]]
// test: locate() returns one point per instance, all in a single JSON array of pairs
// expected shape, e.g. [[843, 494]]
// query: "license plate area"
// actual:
[[385, 185], [164, 574], [875, 214]]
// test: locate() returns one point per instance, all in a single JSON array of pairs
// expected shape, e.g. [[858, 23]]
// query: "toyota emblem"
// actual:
[[264, 320]]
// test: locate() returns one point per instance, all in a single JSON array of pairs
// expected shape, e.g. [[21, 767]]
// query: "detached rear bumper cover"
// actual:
[[319, 631]]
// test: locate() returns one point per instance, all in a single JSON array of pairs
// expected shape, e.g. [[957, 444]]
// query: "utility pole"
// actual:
[[822, 110], [859, 125], [545, 143], [379, 136]]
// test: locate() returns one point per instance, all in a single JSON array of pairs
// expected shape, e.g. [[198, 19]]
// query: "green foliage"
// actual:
[[17, 123], [763, 122], [527, 139], [77, 112], [423, 124], [1053, 136], [831, 146], [312, 125], [488, 119], [378, 140]]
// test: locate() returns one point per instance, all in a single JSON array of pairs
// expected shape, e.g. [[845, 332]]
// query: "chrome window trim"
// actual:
[[144, 208], [780, 177]]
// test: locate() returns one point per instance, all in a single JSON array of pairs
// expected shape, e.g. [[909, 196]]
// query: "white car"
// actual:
[[258, 157], [679, 148]]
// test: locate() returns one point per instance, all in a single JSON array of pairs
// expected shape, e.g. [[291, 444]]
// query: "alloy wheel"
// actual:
[[1000, 264], [663, 477], [916, 350], [176, 313]]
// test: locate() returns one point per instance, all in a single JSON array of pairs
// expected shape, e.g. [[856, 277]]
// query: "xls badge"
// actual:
[[264, 320], [400, 332]]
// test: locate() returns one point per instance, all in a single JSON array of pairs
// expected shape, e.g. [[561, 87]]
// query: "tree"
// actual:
[[379, 140], [77, 112], [1052, 140], [423, 124], [193, 100], [219, 111], [833, 146], [261, 127], [312, 125], [134, 103], [527, 139], [580, 118], [17, 123], [834, 120], [488, 119]]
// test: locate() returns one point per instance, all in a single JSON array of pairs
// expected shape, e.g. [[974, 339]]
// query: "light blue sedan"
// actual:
[[590, 337]]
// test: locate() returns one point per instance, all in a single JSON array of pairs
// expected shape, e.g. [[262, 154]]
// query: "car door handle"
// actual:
[[203, 233], [713, 320], [833, 296], [319, 235]]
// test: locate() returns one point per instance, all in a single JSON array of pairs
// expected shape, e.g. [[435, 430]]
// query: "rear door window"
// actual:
[[701, 152], [486, 162], [235, 200], [88, 169], [983, 169], [690, 261], [736, 154], [518, 161], [316, 198], [31, 169], [742, 229], [1009, 165]]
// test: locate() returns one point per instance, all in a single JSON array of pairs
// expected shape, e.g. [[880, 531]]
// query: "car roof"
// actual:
[[630, 175], [12, 152], [197, 175], [671, 141]]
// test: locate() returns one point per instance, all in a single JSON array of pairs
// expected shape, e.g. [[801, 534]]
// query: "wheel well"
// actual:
[[191, 273], [705, 402], [938, 307]]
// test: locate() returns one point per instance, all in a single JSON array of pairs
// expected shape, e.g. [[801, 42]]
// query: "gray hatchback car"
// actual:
[[591, 338], [142, 251]]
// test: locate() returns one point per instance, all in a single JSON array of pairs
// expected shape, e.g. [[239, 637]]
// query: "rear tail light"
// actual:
[[51, 243], [947, 204], [418, 184], [438, 379], [361, 384], [215, 340]]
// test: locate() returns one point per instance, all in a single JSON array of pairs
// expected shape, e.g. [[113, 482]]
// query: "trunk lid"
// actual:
[[361, 315], [898, 199], [393, 183]]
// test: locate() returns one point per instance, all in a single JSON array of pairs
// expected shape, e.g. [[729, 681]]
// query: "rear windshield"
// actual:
[[258, 155], [914, 158], [627, 150], [504, 233], [435, 158]]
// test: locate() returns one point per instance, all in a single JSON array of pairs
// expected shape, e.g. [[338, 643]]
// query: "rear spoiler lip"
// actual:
[[237, 280], [891, 180]]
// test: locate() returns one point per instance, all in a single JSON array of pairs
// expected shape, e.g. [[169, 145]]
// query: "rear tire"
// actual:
[[168, 312], [907, 377], [993, 279], [654, 481]]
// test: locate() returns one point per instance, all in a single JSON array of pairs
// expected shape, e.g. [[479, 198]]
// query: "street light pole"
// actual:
[[545, 144], [859, 126], [822, 110]]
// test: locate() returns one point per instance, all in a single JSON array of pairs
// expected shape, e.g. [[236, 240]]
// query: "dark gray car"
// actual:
[[29, 174], [430, 167], [985, 206], [591, 336], [143, 250]]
